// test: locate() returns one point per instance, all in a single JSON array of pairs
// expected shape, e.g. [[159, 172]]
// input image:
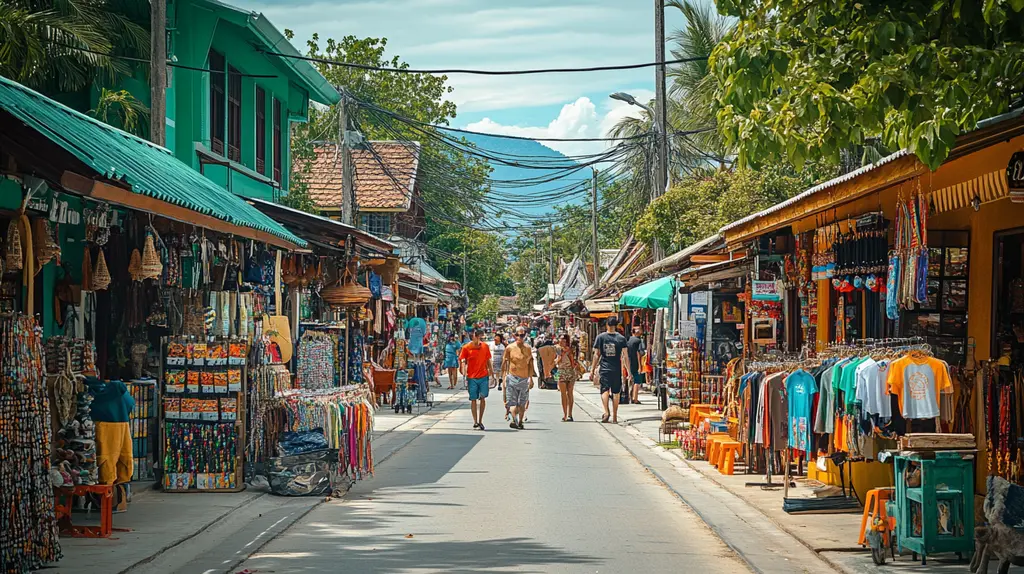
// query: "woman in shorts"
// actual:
[[568, 372]]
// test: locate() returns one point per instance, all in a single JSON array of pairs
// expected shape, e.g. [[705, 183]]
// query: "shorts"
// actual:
[[478, 388], [610, 383], [517, 391], [639, 378], [451, 364]]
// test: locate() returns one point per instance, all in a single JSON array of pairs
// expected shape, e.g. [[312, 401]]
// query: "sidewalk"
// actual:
[[211, 532], [833, 537]]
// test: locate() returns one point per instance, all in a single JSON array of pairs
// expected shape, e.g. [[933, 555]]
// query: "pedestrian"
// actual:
[[475, 358], [568, 372], [609, 348], [451, 360], [518, 366], [497, 354], [635, 348]]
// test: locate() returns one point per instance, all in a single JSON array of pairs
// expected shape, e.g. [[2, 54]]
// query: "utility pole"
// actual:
[[551, 253], [348, 199], [158, 71], [661, 105], [593, 229]]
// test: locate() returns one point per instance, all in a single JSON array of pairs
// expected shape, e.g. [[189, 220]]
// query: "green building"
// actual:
[[234, 126]]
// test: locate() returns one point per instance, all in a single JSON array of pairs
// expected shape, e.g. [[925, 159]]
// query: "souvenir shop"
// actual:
[[133, 340], [881, 339]]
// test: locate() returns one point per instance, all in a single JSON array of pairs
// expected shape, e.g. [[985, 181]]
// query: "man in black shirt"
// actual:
[[635, 349], [609, 348]]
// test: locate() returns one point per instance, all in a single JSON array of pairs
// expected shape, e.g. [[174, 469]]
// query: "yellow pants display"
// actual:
[[114, 452]]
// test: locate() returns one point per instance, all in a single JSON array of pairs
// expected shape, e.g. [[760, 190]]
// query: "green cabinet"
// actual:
[[938, 514]]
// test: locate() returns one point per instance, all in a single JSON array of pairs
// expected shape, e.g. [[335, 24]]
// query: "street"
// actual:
[[557, 497]]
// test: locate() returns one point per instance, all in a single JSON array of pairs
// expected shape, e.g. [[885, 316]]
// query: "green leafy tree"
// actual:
[[800, 79], [452, 183], [120, 108], [63, 45], [486, 309], [486, 261], [698, 206]]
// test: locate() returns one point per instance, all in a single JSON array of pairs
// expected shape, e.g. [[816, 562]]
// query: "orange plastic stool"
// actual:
[[727, 451], [874, 506], [713, 441], [62, 506]]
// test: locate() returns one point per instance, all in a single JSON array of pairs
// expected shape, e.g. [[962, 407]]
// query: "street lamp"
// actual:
[[629, 99]]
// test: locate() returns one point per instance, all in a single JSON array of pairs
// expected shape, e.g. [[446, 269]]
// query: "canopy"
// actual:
[[653, 295]]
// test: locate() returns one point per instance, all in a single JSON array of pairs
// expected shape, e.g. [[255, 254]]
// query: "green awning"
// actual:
[[149, 169], [656, 294]]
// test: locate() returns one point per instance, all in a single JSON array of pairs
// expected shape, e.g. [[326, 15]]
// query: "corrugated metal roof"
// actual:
[[816, 189], [681, 255], [149, 169]]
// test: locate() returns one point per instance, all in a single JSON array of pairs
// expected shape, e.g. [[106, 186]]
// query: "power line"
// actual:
[[483, 72]]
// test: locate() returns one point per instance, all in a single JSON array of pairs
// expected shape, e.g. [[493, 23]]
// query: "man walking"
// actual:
[[635, 349], [475, 359], [518, 368], [609, 347]]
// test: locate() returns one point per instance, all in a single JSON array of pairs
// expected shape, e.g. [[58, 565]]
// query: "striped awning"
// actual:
[[987, 187]]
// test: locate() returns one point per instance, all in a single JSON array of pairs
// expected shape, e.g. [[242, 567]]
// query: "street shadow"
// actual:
[[333, 551]]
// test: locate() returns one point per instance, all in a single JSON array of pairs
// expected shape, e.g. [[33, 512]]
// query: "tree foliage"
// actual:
[[800, 79], [486, 309], [63, 45], [485, 257], [698, 206]]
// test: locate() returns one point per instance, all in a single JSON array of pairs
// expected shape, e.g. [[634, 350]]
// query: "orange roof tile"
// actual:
[[386, 183]]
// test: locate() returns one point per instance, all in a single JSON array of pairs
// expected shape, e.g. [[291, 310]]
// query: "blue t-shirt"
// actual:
[[451, 352], [800, 389]]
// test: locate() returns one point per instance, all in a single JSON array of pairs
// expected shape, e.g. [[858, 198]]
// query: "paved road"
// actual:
[[557, 497]]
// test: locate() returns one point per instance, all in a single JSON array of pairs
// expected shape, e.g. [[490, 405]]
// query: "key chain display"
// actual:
[[28, 536]]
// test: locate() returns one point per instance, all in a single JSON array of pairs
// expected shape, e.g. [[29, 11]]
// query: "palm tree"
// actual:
[[691, 100], [63, 45]]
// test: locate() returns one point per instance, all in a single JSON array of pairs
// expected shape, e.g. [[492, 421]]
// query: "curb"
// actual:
[[644, 439]]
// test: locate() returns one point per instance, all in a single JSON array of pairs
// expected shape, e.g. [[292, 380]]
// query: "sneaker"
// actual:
[[476, 425], [569, 419], [481, 426], [521, 427], [513, 425]]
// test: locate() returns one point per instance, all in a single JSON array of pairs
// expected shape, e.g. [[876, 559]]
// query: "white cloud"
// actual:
[[581, 118]]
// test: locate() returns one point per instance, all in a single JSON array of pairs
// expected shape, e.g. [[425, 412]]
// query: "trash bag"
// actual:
[[302, 442], [310, 474]]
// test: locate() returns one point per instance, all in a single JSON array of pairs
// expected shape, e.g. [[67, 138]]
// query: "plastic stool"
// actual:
[[874, 505], [713, 441], [727, 451]]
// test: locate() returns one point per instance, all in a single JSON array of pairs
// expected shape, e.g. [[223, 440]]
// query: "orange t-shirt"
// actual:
[[917, 383], [477, 359]]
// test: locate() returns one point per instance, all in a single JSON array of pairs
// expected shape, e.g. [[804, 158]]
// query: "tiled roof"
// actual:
[[384, 183]]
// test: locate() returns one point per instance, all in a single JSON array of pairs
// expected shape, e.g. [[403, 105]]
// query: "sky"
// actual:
[[513, 34]]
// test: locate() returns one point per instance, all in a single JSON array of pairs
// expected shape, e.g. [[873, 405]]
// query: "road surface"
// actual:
[[557, 497]]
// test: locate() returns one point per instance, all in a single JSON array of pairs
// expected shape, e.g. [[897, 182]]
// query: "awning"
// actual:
[[695, 276], [987, 188], [680, 256], [600, 305], [655, 294], [129, 170], [322, 231]]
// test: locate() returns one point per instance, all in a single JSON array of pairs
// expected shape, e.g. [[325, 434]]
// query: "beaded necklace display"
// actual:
[[28, 536]]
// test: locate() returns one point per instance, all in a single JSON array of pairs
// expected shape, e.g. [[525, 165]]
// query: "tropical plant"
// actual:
[[806, 78], [120, 108], [62, 45], [486, 309]]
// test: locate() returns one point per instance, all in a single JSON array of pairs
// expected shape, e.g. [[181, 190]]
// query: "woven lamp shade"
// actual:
[[135, 265], [346, 293], [151, 265], [101, 277]]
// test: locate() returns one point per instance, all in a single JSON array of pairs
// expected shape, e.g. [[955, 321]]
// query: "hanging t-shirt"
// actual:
[[800, 390], [872, 391], [917, 381], [417, 329], [848, 380]]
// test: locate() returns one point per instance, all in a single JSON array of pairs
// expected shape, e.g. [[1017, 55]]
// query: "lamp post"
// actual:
[[660, 152]]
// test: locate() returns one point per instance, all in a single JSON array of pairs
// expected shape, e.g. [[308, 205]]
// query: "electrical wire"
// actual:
[[482, 72]]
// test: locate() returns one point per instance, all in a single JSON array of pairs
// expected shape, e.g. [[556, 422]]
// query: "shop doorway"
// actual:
[[1008, 295]]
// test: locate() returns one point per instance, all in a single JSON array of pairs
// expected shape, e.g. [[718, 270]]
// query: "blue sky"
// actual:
[[514, 34]]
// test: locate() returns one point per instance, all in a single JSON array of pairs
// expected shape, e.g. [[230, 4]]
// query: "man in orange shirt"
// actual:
[[475, 359]]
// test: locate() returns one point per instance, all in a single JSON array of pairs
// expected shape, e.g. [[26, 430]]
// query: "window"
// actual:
[[234, 114], [217, 82], [261, 131], [277, 140], [376, 223]]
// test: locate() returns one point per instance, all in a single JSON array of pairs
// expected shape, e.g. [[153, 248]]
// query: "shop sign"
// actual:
[[1015, 171], [765, 291]]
